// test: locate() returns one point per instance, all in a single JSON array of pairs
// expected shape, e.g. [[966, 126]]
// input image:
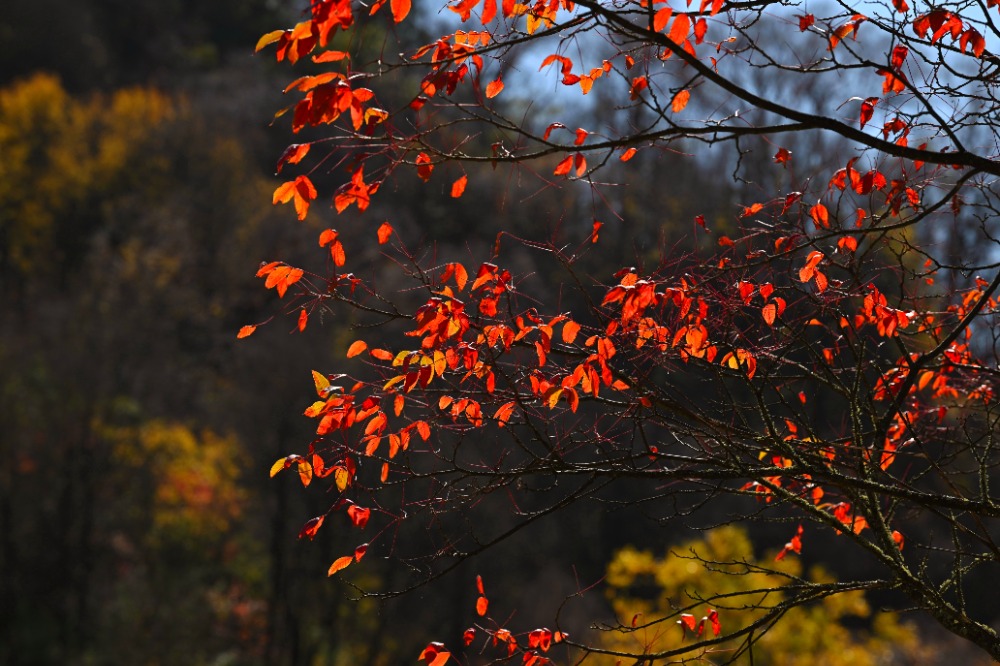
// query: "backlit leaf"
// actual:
[[400, 8], [246, 331], [458, 187], [384, 232], [680, 101], [340, 564], [311, 527], [357, 347], [493, 88]]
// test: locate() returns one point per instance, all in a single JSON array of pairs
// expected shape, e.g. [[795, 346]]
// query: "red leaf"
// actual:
[[311, 527], [628, 154], [688, 621], [246, 331], [639, 84], [868, 109], [482, 604], [360, 551], [713, 617], [806, 21], [358, 515], [384, 232], [661, 18], [458, 187], [424, 167], [680, 29], [435, 654], [400, 8], [356, 348], [564, 167]]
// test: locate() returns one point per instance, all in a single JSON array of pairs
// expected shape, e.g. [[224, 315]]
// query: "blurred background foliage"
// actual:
[[137, 522]]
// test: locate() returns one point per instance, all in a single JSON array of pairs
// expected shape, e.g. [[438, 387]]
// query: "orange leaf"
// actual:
[[502, 416], [246, 331], [400, 8], [570, 329], [303, 320], [628, 154], [305, 472], [482, 604], [769, 312], [340, 564], [494, 88], [820, 215], [680, 101], [356, 348], [458, 187], [384, 232]]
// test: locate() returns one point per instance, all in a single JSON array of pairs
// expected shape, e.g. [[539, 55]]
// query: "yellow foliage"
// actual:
[[654, 590], [195, 479], [61, 153]]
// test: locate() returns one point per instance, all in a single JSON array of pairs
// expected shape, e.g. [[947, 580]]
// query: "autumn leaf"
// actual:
[[458, 187], [340, 564], [293, 154], [246, 331], [400, 8], [357, 347], [662, 18], [384, 232], [493, 88], [680, 101], [569, 331], [300, 191], [482, 604], [279, 464], [769, 312], [564, 167], [311, 527], [358, 515]]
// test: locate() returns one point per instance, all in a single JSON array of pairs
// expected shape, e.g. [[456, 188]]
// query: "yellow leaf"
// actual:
[[322, 384], [278, 465], [341, 478]]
